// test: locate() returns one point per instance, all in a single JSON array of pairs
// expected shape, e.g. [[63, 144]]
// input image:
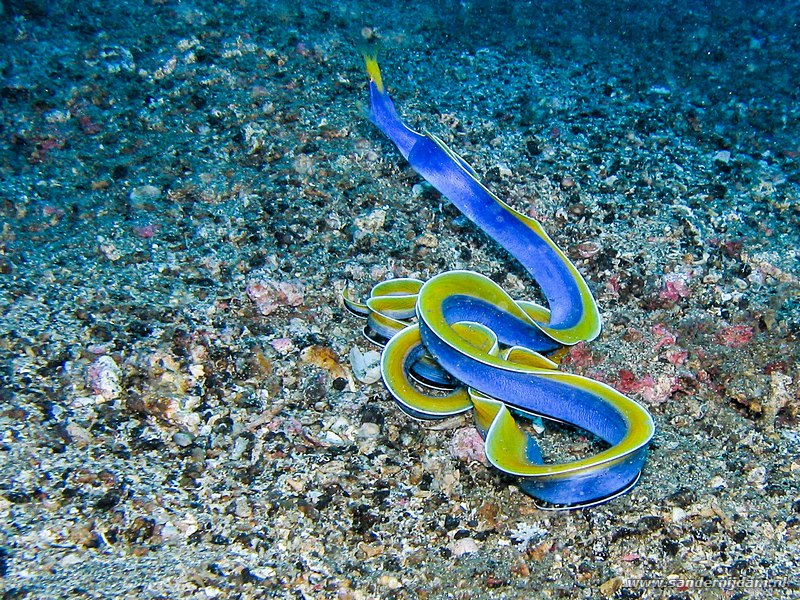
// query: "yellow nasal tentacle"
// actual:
[[373, 70]]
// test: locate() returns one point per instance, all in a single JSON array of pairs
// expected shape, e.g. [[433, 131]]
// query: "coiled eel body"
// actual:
[[459, 342]]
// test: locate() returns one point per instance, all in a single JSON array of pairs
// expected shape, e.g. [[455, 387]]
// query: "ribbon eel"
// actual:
[[459, 342]]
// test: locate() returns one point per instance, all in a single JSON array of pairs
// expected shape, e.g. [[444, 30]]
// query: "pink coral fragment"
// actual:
[[269, 295], [675, 287], [677, 356], [630, 557], [145, 231], [613, 286], [736, 336], [48, 210], [651, 390], [282, 345], [579, 356], [467, 445], [628, 383], [88, 126], [665, 336]]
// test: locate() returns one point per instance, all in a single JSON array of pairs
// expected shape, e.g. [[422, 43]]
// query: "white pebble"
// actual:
[[331, 438], [79, 435], [104, 375], [242, 508], [505, 171], [369, 431], [390, 581], [144, 193], [463, 546], [70, 560], [182, 439], [723, 157], [678, 514], [717, 482], [757, 476], [366, 365], [239, 446]]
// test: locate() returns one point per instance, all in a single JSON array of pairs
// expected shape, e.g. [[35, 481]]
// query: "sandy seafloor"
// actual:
[[164, 435]]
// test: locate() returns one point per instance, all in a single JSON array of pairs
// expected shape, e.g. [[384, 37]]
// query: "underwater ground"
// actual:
[[187, 187]]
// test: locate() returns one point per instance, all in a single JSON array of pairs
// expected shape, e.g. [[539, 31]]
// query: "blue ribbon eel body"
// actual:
[[459, 342]]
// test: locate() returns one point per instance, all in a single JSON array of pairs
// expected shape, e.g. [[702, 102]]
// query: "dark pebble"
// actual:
[[6, 266], [671, 547], [247, 576], [307, 509], [363, 519], [141, 530], [622, 532], [650, 523], [372, 414], [426, 481], [16, 497], [683, 497], [740, 567], [315, 390], [108, 500], [18, 593], [324, 500], [380, 495]]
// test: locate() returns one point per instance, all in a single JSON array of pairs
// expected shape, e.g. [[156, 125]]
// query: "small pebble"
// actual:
[[369, 431], [70, 560], [504, 170], [144, 193], [390, 582], [717, 482], [104, 377], [366, 365], [242, 508], [79, 435], [182, 439], [463, 546], [757, 476], [329, 437], [723, 157], [427, 240], [370, 222]]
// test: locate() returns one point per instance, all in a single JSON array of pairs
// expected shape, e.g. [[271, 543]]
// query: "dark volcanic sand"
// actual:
[[167, 164]]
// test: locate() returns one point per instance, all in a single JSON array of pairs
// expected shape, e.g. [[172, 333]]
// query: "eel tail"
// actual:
[[381, 108]]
